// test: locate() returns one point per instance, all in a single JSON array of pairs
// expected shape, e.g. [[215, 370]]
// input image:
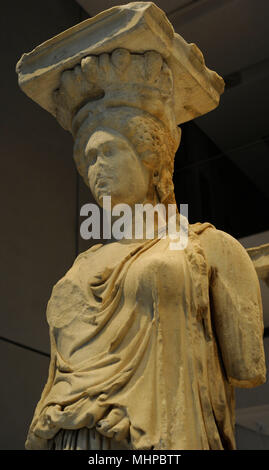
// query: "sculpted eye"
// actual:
[[108, 150]]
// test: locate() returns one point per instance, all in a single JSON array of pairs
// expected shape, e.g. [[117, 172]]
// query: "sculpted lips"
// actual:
[[102, 181]]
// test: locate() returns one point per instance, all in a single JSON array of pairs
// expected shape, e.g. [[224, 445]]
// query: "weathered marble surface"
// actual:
[[136, 27], [147, 344]]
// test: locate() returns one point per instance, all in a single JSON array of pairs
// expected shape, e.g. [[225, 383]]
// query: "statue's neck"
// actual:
[[136, 223]]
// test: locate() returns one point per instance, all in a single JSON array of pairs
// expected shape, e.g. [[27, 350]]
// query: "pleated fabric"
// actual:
[[84, 439]]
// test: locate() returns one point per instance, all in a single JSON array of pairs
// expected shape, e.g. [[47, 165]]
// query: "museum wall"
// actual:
[[42, 195]]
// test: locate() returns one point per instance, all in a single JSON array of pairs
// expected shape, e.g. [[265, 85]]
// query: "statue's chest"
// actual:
[[114, 281]]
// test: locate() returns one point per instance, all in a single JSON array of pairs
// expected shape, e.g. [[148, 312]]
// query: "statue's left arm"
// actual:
[[236, 308]]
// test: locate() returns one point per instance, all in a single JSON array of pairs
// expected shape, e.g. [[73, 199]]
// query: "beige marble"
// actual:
[[147, 344], [136, 27]]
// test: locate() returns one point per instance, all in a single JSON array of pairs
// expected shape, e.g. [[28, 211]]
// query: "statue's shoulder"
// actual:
[[221, 249], [209, 235], [87, 253], [200, 227]]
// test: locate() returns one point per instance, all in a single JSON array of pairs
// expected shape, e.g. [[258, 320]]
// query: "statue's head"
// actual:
[[127, 154], [125, 100], [127, 78], [129, 99]]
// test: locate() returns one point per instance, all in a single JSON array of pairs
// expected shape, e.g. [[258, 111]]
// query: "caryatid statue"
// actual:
[[147, 343]]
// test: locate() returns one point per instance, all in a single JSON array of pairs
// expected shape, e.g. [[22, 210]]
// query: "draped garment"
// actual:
[[131, 328]]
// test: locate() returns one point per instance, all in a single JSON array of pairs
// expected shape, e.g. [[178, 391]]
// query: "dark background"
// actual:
[[221, 171]]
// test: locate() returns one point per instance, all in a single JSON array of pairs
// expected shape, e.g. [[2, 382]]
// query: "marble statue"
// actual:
[[147, 344]]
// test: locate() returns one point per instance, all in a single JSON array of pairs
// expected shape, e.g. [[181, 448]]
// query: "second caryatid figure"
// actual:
[[147, 343]]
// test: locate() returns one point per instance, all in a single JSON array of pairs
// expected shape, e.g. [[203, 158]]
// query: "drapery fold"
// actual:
[[133, 332]]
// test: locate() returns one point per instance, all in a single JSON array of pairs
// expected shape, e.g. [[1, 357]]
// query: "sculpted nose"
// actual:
[[100, 159], [95, 157]]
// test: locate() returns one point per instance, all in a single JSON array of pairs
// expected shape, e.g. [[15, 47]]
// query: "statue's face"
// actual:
[[114, 169]]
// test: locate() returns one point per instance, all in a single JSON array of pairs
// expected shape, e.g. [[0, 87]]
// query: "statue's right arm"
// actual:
[[38, 409]]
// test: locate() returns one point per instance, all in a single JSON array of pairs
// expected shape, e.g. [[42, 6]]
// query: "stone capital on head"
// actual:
[[128, 55]]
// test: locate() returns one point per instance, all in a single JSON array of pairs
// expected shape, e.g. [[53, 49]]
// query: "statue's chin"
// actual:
[[99, 194], [108, 203]]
